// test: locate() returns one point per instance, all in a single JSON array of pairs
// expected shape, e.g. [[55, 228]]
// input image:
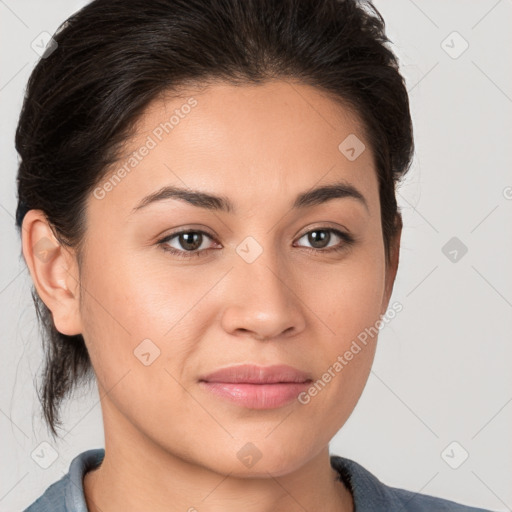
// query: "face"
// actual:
[[264, 282]]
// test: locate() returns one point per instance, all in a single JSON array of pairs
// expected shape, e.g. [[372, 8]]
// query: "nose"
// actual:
[[262, 299]]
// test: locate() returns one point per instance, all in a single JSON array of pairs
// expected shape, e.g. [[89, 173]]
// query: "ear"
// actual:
[[54, 271], [392, 267]]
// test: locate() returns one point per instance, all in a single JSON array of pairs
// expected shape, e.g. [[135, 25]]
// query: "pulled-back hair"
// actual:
[[113, 57]]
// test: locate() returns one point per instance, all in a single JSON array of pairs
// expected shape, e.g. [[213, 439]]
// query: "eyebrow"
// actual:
[[212, 202]]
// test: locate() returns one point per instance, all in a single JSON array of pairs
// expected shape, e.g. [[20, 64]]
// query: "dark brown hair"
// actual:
[[113, 57]]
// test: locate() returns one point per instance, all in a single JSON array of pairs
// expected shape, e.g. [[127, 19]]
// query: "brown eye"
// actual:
[[320, 238], [186, 243], [190, 241]]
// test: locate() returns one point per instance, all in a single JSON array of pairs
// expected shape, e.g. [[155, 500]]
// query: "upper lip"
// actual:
[[254, 374]]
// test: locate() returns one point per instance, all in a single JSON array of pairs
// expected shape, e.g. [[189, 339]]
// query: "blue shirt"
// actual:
[[369, 493]]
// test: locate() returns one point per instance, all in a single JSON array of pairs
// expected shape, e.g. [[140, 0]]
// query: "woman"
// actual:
[[207, 210]]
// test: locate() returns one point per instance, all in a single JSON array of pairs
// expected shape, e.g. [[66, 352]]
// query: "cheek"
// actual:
[[126, 316], [347, 298], [131, 308]]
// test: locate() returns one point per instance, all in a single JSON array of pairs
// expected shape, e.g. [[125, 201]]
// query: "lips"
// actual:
[[253, 374], [256, 387]]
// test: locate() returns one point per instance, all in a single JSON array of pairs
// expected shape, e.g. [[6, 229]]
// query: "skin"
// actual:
[[170, 445]]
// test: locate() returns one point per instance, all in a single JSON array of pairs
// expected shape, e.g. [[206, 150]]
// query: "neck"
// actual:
[[138, 474]]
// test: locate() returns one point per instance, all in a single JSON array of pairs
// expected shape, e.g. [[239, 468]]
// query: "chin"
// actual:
[[261, 458]]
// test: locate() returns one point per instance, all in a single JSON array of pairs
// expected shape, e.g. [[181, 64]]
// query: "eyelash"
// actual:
[[347, 238]]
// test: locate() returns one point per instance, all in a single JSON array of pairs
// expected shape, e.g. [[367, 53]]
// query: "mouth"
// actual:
[[257, 387]]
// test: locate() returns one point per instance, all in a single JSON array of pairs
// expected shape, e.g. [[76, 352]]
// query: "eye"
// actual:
[[320, 238], [190, 243]]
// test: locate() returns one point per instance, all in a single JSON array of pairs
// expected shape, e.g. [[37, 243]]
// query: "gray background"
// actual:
[[442, 369]]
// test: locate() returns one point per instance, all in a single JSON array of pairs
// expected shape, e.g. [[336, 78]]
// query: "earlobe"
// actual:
[[54, 272]]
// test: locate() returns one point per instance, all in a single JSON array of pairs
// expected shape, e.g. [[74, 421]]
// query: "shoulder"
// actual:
[[371, 495], [67, 494]]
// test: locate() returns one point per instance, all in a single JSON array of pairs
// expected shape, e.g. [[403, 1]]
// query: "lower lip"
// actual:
[[257, 396]]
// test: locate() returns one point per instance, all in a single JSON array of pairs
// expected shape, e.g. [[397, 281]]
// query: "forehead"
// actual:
[[243, 142]]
